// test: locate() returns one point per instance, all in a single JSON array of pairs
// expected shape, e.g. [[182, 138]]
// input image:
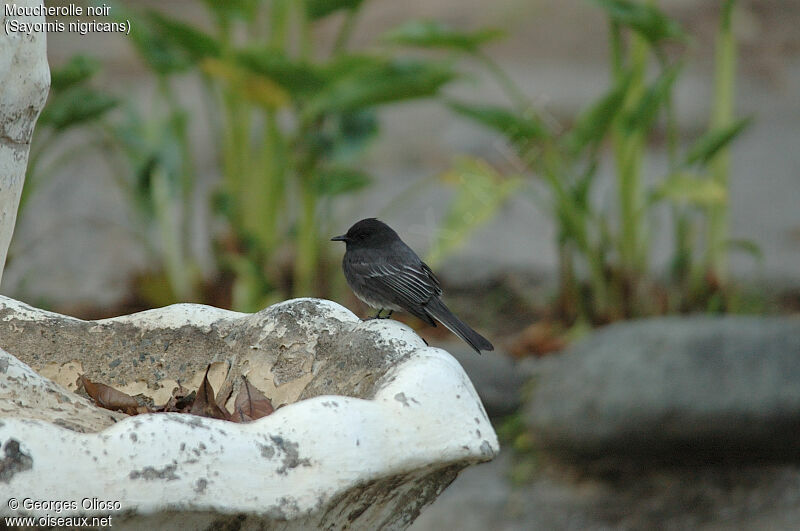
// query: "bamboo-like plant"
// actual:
[[291, 119], [604, 254]]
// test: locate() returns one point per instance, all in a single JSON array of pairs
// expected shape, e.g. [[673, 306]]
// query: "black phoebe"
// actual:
[[386, 274]]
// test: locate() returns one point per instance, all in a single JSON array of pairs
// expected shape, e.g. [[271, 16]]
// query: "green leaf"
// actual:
[[168, 45], [161, 55], [684, 187], [193, 43], [339, 180], [317, 9], [354, 131], [153, 151], [517, 128], [592, 124], [299, 78], [225, 9], [350, 63], [480, 192], [710, 143], [642, 117], [256, 88], [74, 106], [79, 68], [646, 19], [747, 246], [434, 34], [386, 82]]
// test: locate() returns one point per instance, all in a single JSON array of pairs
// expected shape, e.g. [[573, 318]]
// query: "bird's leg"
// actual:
[[378, 315], [390, 314]]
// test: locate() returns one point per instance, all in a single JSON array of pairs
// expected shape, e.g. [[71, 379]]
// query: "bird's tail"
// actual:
[[436, 309]]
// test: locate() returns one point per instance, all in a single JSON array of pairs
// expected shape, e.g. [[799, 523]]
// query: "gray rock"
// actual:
[[753, 497], [496, 377], [678, 389]]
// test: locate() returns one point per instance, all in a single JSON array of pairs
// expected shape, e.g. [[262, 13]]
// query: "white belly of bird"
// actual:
[[378, 305]]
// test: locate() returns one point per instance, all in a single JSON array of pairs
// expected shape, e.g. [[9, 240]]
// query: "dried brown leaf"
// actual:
[[204, 403], [180, 402], [251, 404], [107, 397]]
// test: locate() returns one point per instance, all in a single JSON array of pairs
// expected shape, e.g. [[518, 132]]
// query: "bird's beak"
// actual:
[[342, 238]]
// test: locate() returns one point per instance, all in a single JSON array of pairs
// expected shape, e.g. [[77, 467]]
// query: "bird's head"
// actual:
[[367, 233]]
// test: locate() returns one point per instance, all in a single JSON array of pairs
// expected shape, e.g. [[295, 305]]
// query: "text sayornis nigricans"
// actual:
[[386, 274]]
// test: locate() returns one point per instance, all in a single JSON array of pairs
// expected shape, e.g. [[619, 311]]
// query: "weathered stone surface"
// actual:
[[25, 394], [290, 351], [376, 423], [686, 389], [25, 81], [497, 377]]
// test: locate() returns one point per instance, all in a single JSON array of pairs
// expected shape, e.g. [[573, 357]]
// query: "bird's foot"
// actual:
[[378, 315]]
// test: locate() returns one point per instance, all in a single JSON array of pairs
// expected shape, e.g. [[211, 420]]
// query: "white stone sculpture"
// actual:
[[24, 83], [376, 424]]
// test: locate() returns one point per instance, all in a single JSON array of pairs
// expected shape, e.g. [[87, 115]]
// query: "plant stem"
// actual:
[[179, 124], [508, 85], [722, 116], [273, 162], [306, 259], [170, 240], [279, 21], [629, 151], [306, 42], [573, 226], [345, 31]]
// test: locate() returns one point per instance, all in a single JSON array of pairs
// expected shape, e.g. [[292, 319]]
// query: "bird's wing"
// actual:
[[408, 286]]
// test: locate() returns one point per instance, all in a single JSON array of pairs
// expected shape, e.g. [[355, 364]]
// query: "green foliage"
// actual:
[[378, 83], [72, 104], [339, 180], [517, 127], [188, 43], [290, 125], [434, 34], [691, 189], [647, 110], [230, 9], [480, 191], [152, 160], [712, 142], [78, 69], [593, 123], [75, 106], [160, 53], [643, 18], [318, 9], [300, 78], [604, 251]]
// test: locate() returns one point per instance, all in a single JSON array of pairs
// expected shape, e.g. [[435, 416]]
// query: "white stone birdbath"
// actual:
[[376, 424]]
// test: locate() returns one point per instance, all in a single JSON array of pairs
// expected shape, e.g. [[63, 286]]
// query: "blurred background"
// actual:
[[561, 165]]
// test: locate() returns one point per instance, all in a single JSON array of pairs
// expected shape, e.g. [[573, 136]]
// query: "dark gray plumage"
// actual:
[[387, 274]]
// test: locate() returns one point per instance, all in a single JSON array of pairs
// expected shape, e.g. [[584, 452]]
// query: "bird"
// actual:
[[387, 274]]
